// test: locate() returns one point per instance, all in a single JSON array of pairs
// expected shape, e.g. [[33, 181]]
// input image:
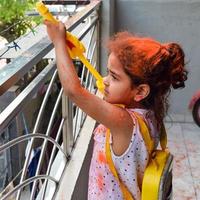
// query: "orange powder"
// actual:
[[100, 181], [101, 157]]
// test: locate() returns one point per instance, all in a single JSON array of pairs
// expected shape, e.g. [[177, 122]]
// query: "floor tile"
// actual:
[[184, 144]]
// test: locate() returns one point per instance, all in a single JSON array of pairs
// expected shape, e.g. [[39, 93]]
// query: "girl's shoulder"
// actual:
[[148, 115], [100, 133], [144, 112], [100, 129], [150, 119]]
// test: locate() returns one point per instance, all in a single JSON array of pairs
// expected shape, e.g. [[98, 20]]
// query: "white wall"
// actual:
[[167, 20]]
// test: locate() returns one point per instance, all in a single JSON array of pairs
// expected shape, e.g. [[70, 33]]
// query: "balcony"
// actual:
[[45, 139]]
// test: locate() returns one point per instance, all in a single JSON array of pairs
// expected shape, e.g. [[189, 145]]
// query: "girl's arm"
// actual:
[[115, 118]]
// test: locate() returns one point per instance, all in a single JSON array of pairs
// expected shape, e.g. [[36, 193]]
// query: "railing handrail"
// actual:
[[10, 112], [15, 70]]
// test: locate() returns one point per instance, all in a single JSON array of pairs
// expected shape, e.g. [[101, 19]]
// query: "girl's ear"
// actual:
[[142, 91]]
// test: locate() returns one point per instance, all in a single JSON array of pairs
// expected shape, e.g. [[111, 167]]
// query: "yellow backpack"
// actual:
[[157, 180]]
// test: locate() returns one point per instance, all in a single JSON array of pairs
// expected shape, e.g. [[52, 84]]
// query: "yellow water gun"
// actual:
[[74, 46]]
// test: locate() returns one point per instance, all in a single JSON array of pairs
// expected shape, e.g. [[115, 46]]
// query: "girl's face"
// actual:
[[118, 85]]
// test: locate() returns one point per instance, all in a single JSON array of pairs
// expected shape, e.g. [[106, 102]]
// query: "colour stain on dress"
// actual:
[[101, 157], [100, 181]]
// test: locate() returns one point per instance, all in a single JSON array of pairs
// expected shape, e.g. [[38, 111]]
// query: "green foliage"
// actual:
[[12, 13]]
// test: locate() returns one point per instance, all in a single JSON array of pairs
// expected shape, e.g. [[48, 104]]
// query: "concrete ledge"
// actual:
[[72, 170]]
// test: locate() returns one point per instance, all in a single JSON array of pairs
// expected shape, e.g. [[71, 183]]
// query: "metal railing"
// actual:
[[69, 117]]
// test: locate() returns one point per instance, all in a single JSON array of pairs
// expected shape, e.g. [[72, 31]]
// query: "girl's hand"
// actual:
[[56, 32]]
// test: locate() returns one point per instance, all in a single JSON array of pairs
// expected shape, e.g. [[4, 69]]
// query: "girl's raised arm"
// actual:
[[113, 117]]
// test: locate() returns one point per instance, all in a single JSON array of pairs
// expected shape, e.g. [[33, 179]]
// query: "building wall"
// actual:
[[168, 20]]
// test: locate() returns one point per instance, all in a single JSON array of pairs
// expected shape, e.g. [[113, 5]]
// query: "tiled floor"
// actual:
[[184, 143]]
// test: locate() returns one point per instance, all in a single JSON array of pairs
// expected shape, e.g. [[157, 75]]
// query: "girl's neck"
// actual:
[[135, 105]]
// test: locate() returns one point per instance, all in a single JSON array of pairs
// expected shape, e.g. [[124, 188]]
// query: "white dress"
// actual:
[[130, 166]]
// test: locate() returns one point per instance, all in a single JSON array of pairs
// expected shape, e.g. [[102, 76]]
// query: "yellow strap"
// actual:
[[152, 176], [147, 137], [145, 133], [126, 194], [154, 170], [152, 167]]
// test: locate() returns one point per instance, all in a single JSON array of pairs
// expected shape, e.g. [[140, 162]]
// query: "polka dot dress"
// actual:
[[130, 166]]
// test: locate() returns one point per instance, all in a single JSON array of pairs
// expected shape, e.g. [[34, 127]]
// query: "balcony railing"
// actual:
[[56, 120]]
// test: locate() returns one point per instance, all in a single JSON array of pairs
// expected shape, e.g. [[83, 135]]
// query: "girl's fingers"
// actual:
[[60, 26], [46, 22], [49, 23]]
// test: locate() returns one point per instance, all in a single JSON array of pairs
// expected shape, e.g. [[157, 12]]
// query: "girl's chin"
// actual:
[[106, 99]]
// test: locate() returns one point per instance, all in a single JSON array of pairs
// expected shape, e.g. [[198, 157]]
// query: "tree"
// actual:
[[13, 22]]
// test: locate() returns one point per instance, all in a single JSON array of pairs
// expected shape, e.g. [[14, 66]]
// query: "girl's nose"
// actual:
[[105, 80]]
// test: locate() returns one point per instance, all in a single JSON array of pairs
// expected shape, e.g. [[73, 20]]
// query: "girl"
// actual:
[[141, 72]]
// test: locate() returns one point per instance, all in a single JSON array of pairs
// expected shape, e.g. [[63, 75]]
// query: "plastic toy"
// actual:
[[74, 46]]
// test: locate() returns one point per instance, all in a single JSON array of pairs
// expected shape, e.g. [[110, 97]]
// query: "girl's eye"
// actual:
[[111, 74], [113, 77]]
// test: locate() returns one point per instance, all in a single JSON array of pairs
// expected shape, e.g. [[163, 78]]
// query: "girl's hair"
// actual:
[[147, 61]]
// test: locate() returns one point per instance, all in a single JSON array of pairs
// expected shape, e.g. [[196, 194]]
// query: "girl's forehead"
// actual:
[[113, 61], [114, 65]]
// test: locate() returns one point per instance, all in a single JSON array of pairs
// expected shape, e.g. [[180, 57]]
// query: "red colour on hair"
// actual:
[[148, 61]]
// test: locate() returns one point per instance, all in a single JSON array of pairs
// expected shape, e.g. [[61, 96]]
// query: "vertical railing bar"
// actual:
[[88, 74], [83, 115], [67, 114], [87, 78], [96, 28], [75, 124], [87, 53], [37, 123], [92, 55], [78, 117], [90, 85], [30, 146], [83, 72], [93, 51], [77, 110], [45, 143], [88, 28], [52, 156]]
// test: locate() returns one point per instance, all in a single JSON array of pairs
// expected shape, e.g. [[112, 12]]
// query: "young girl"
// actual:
[[141, 72]]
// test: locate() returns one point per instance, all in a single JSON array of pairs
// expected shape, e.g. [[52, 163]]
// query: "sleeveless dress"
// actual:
[[130, 165]]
